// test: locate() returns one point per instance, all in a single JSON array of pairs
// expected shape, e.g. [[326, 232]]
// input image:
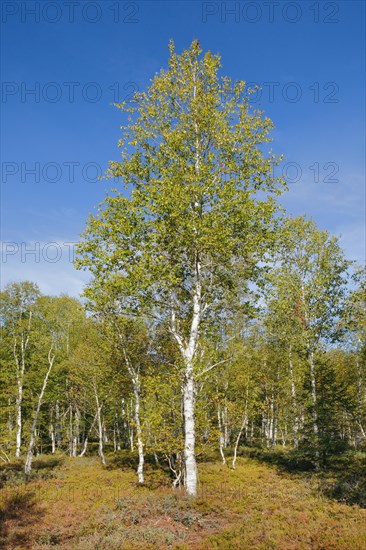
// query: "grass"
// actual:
[[263, 504]]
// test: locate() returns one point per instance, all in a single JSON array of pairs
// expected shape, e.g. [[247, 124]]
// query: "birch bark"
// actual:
[[135, 379], [100, 425], [294, 400], [28, 462], [20, 371]]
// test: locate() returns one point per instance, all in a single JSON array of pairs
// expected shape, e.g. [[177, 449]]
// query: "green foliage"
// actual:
[[201, 187]]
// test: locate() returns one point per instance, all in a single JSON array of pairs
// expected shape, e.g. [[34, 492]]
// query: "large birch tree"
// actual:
[[182, 242]]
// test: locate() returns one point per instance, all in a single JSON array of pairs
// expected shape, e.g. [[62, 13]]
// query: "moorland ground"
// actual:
[[76, 503]]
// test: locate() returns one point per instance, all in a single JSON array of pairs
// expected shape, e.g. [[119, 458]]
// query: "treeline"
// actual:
[[290, 370]]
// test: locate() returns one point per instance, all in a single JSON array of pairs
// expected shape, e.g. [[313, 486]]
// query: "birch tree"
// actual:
[[132, 343], [51, 342], [284, 328], [128, 340], [198, 215], [353, 325], [17, 304], [314, 272], [91, 377], [32, 439]]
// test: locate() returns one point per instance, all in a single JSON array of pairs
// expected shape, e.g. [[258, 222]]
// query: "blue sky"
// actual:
[[78, 57]]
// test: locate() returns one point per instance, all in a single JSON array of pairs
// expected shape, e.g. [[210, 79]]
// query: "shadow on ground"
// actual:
[[342, 478], [12, 473], [18, 512]]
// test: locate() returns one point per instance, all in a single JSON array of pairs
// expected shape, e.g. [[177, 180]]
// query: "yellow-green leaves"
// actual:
[[193, 155]]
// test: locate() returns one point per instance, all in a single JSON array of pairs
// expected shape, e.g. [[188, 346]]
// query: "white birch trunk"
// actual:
[[272, 422], [52, 432], [294, 400], [125, 434], [313, 393], [70, 429], [225, 422], [85, 445], [20, 369], [117, 433], [105, 434], [57, 425], [28, 462], [190, 436], [19, 418], [140, 446], [100, 426], [189, 388], [130, 426], [242, 427], [135, 378], [221, 435], [314, 405], [75, 435], [245, 419], [176, 471]]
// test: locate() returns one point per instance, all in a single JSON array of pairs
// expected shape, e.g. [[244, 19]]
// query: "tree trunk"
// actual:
[[313, 393], [294, 401], [19, 418], [52, 432], [70, 429], [314, 406], [85, 445], [140, 446], [58, 425], [117, 433], [245, 419], [100, 426], [188, 352], [125, 431], [105, 434], [190, 436], [28, 462], [130, 426], [75, 434], [272, 425], [221, 435], [175, 469], [20, 370], [135, 378], [242, 427]]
